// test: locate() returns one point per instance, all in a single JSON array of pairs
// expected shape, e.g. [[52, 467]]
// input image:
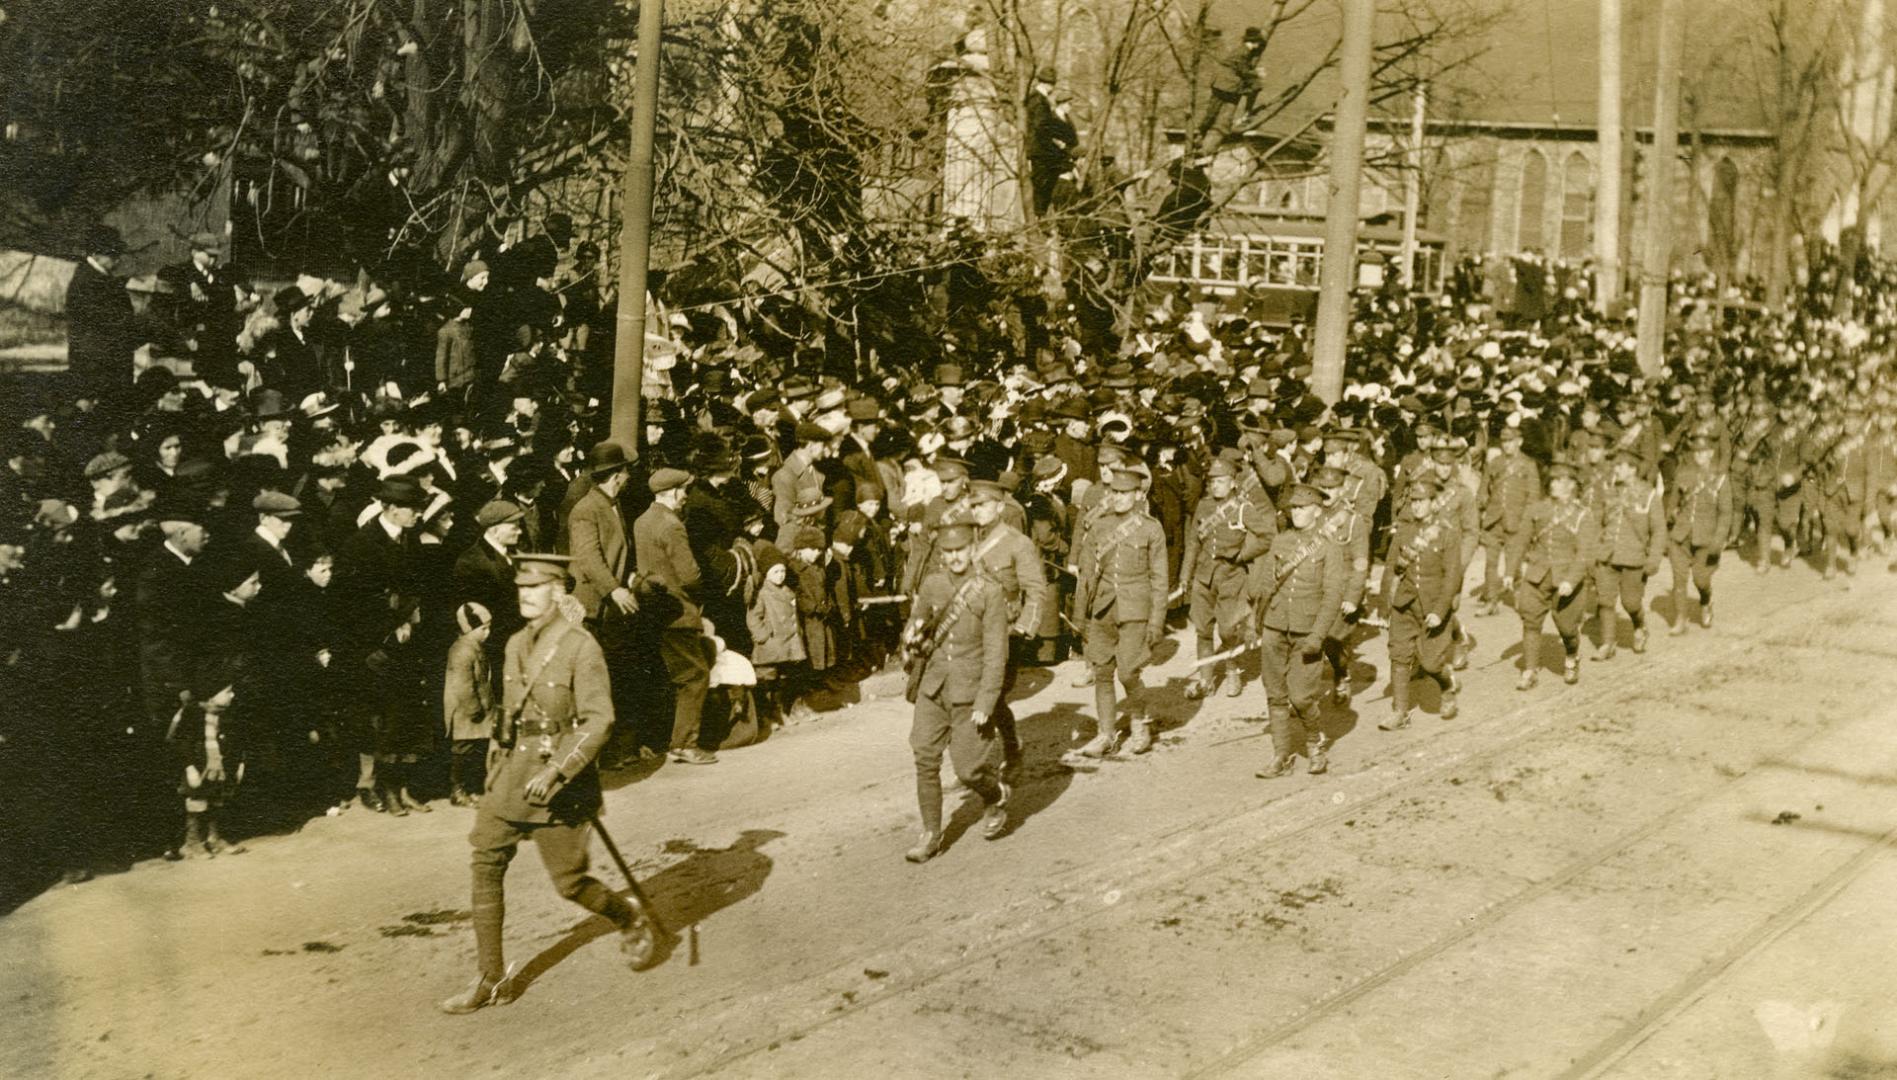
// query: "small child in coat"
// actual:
[[467, 704], [777, 633]]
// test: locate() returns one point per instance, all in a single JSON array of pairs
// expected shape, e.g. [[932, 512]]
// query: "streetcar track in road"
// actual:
[[1556, 709], [1471, 925], [1611, 1051]]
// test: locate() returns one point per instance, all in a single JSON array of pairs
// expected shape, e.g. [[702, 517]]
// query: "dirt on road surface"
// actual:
[[1680, 867]]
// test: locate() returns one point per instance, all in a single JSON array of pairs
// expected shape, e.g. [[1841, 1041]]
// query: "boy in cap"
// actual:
[[957, 644], [542, 784], [1306, 573]]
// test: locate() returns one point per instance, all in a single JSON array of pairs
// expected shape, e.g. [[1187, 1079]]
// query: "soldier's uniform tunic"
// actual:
[[1510, 483], [1306, 575], [1121, 598], [1701, 504], [1556, 547], [1221, 544], [557, 701], [961, 676], [1633, 540], [1421, 579], [1005, 556]]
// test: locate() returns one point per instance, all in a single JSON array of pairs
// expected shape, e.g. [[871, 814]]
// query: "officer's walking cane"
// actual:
[[638, 897]]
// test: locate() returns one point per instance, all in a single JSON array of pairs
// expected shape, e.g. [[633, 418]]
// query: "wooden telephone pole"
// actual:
[[1608, 136], [1339, 272], [635, 232], [1658, 254]]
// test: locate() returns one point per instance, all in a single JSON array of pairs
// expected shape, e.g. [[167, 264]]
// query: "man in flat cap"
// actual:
[[484, 573], [542, 784], [957, 648], [663, 554]]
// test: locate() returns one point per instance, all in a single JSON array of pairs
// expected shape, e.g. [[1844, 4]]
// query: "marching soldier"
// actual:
[[1305, 576], [1778, 477], [1701, 507], [1228, 533], [1553, 552], [949, 506], [1847, 491], [957, 643], [1510, 483], [1420, 583], [1121, 599], [1455, 505], [1005, 556], [541, 781], [1349, 528], [1633, 539]]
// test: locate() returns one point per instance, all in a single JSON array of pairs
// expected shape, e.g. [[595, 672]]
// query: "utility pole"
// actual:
[[1659, 239], [1413, 185], [1339, 271], [1608, 136], [635, 232]]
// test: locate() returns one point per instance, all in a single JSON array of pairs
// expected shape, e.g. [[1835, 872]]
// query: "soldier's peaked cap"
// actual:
[[538, 569]]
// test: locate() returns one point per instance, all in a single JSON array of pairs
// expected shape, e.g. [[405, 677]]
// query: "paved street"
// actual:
[[1679, 868]]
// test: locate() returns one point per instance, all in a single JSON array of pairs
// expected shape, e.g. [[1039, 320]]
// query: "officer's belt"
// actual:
[[534, 728]]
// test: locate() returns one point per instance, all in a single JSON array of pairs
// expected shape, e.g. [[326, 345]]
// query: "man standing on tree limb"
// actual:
[[541, 781]]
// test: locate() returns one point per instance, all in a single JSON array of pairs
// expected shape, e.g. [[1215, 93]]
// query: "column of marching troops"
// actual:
[[501, 565]]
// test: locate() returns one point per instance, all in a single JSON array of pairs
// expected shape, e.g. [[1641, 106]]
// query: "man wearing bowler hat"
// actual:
[[542, 785]]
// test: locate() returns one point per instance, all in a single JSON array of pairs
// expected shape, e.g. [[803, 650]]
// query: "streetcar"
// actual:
[[1266, 266]]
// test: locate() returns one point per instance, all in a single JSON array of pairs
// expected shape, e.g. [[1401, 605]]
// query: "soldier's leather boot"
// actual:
[[1527, 681], [1678, 627], [1142, 738], [1196, 687], [1464, 646], [994, 820], [1571, 669], [1085, 678], [928, 847], [1108, 713], [1449, 706], [1319, 762], [484, 992], [639, 941], [1706, 614], [1234, 683], [1640, 640], [1396, 722], [1280, 766], [1606, 650]]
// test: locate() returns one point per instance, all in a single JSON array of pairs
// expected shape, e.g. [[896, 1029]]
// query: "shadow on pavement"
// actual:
[[687, 892]]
